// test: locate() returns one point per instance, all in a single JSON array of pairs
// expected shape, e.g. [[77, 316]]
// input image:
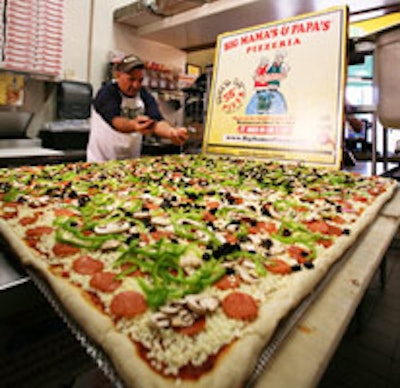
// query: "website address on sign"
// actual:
[[248, 139]]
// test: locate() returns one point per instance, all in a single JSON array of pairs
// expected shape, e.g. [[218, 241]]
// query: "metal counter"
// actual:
[[17, 152]]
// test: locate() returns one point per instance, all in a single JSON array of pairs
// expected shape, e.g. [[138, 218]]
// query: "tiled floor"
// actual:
[[369, 353]]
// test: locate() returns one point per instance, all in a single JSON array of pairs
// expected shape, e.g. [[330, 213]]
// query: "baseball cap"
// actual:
[[129, 63]]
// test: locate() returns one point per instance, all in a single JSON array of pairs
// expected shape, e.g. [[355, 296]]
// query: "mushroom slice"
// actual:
[[159, 320], [161, 221], [247, 275], [112, 227], [249, 264], [183, 319], [170, 309], [142, 215], [190, 260], [201, 304], [110, 245], [39, 202], [10, 209]]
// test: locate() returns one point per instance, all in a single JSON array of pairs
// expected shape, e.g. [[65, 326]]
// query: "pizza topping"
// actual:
[[112, 227], [38, 231], [228, 281], [29, 220], [239, 305], [104, 281], [278, 266], [196, 327], [86, 265], [10, 210], [63, 250], [247, 272], [128, 304], [38, 202], [201, 304], [184, 312], [110, 245]]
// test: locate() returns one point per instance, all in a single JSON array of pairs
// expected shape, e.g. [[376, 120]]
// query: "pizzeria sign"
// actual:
[[278, 90]]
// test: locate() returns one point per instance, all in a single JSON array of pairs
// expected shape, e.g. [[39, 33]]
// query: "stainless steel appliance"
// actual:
[[71, 129], [15, 147]]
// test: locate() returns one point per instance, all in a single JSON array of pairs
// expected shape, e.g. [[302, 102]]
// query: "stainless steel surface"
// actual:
[[200, 26], [25, 152], [143, 12], [13, 124], [19, 143], [22, 148], [10, 276]]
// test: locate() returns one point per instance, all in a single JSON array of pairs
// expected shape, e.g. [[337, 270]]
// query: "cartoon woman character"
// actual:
[[260, 76]]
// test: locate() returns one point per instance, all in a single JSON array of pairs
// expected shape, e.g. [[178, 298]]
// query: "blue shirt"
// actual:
[[107, 103]]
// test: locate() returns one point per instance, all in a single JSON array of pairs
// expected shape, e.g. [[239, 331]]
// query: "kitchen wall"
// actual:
[[201, 58], [90, 34]]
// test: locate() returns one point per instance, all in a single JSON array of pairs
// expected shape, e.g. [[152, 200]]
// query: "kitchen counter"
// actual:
[[35, 156], [26, 151]]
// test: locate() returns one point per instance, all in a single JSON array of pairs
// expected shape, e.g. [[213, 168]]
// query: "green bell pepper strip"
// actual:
[[300, 234], [11, 195], [79, 239], [163, 257]]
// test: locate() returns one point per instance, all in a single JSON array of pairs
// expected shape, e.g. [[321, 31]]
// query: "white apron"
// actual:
[[105, 143]]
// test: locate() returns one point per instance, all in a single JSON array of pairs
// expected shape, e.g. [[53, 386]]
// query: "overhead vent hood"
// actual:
[[143, 12], [195, 24]]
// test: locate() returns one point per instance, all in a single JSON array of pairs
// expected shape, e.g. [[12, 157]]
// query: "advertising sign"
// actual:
[[278, 90]]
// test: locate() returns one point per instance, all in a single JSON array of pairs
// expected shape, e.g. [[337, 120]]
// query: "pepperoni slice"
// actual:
[[298, 253], [318, 226], [323, 227], [150, 205], [212, 205], [267, 227], [194, 329], [339, 220], [64, 212], [207, 216], [86, 265], [159, 234], [38, 231], [64, 250], [241, 306], [263, 227], [28, 220], [325, 243], [105, 281], [128, 304], [231, 238], [278, 266], [227, 282]]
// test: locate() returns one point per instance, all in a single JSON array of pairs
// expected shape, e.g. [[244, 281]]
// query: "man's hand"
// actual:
[[179, 135], [143, 125]]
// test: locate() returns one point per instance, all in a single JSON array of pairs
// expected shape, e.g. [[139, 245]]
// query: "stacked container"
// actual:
[[33, 36]]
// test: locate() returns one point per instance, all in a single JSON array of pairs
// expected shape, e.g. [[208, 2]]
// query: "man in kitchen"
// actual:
[[123, 111]]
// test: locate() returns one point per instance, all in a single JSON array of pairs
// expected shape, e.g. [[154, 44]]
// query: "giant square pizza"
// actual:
[[181, 267]]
